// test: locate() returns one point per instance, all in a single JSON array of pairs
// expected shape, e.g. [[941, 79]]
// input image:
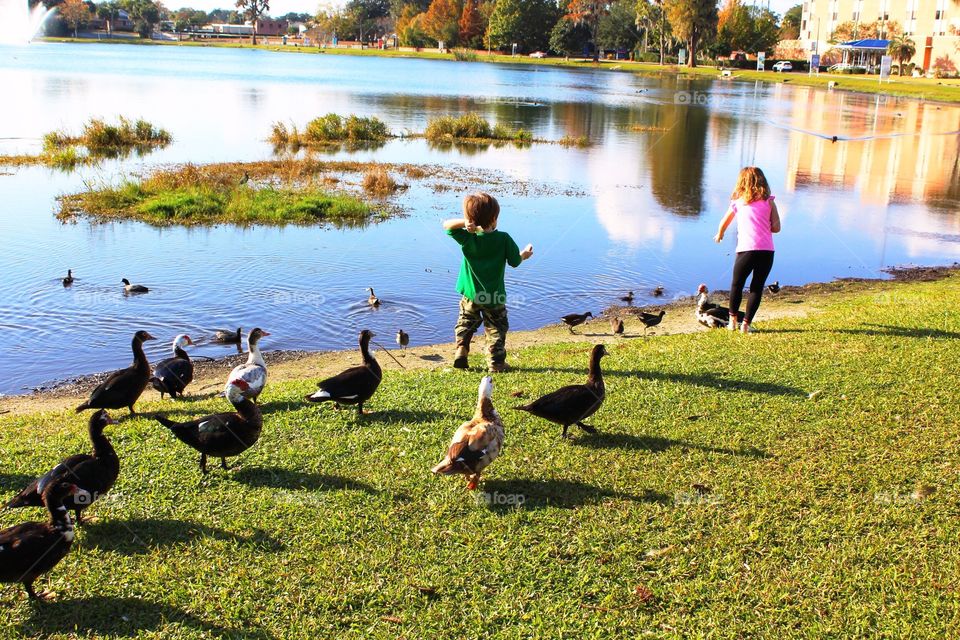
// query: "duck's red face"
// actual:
[[702, 288]]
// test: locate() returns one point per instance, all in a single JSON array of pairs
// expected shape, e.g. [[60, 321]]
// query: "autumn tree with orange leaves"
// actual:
[[472, 25], [589, 13]]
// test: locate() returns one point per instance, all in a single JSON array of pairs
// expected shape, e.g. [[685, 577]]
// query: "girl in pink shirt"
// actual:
[[757, 221]]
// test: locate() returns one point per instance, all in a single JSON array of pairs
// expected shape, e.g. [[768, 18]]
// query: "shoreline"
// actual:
[[946, 91], [287, 365]]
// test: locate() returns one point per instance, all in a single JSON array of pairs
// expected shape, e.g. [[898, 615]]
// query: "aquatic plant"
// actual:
[[378, 182], [472, 127]]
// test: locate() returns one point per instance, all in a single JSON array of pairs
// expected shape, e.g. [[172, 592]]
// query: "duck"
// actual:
[[174, 374], [574, 319], [69, 279], [574, 403], [616, 325], [627, 298], [403, 338], [94, 473], [774, 287], [355, 385], [373, 300], [709, 314], [252, 374], [221, 435], [225, 336], [657, 291], [651, 319], [477, 442], [133, 288], [31, 549], [123, 388]]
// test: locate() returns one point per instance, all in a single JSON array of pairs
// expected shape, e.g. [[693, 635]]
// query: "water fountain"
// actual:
[[19, 24]]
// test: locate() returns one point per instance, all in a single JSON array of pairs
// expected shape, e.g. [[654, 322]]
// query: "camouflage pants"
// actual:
[[495, 324]]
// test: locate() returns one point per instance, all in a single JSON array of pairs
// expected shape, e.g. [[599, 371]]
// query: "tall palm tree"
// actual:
[[901, 47]]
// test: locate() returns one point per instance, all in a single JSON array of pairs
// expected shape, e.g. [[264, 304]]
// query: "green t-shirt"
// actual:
[[484, 258]]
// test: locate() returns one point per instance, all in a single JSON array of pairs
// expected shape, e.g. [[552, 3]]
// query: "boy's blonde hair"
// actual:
[[751, 185], [481, 209]]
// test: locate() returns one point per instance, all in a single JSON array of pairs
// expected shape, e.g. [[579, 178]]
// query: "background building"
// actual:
[[934, 25]]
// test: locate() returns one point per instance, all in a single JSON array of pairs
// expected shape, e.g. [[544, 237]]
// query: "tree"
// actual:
[[589, 13], [367, 16], [144, 13], [743, 28], [410, 30], [790, 24], [441, 21], [75, 13], [618, 29], [107, 11], [252, 10], [693, 22], [901, 47], [472, 25], [525, 23], [568, 38], [651, 17]]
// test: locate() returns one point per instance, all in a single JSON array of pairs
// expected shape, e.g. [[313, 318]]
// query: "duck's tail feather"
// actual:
[[83, 407], [450, 467]]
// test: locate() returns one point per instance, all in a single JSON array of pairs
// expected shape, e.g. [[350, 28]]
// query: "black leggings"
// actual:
[[758, 262]]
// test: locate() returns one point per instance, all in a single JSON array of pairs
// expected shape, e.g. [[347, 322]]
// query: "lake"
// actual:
[[635, 210]]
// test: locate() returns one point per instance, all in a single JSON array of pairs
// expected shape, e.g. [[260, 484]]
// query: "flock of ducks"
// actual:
[[32, 549]]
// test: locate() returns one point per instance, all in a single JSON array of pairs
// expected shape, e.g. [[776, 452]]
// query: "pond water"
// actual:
[[635, 210]]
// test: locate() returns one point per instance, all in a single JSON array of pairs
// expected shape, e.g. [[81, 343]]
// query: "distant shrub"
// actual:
[[377, 182], [334, 128], [574, 141], [472, 126], [465, 55]]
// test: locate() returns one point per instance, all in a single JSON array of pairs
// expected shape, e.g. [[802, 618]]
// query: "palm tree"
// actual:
[[901, 47]]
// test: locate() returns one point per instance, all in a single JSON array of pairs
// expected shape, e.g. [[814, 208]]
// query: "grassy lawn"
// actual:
[[830, 516], [923, 88]]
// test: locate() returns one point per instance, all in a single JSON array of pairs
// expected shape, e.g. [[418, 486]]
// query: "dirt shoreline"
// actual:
[[209, 375]]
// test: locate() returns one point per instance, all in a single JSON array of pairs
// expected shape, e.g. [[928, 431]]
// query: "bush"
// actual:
[[465, 55], [469, 125], [334, 128], [377, 181]]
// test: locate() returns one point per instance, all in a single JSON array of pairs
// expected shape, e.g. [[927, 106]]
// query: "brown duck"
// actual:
[[123, 388], [575, 403]]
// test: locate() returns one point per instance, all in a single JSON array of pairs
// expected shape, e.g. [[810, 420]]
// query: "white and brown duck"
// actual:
[[174, 374], [477, 442], [253, 373]]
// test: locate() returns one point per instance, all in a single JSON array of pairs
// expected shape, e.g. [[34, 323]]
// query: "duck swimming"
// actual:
[[123, 388], [252, 374], [31, 549], [69, 279], [477, 442], [225, 336], [372, 300], [355, 385], [221, 435], [574, 403], [94, 473], [133, 288], [174, 374]]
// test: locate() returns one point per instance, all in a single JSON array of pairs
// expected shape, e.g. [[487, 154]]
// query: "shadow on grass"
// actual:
[[141, 535], [279, 478], [707, 380], [13, 482], [505, 495], [118, 616], [657, 444], [900, 332]]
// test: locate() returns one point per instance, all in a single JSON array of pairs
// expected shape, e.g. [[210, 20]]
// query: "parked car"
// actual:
[[538, 54], [783, 65]]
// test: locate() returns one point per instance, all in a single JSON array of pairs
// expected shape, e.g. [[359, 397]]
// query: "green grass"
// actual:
[[334, 527], [329, 129], [471, 127], [215, 194]]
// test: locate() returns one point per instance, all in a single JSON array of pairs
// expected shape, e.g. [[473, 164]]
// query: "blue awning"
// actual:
[[869, 44]]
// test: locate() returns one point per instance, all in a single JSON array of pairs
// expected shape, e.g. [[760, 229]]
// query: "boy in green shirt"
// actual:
[[486, 251]]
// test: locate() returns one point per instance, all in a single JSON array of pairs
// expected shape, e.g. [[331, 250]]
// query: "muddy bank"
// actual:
[[209, 376]]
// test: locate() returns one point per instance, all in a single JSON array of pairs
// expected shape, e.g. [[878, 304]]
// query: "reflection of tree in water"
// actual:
[[677, 158]]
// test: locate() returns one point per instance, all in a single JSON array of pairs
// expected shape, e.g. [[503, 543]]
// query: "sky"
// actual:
[[282, 7]]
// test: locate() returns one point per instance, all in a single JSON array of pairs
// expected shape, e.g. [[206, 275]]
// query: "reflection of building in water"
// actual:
[[891, 163]]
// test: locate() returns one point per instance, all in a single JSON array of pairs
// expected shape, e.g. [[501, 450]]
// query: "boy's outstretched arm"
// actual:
[[724, 223], [527, 252]]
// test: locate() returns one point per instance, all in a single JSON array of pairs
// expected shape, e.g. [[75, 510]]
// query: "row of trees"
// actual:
[[569, 28]]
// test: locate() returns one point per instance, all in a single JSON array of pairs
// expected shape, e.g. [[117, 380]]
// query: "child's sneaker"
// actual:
[[460, 360], [745, 327], [498, 367], [732, 324]]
